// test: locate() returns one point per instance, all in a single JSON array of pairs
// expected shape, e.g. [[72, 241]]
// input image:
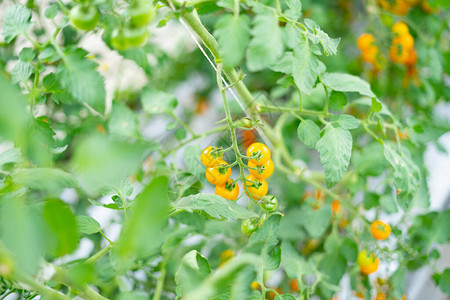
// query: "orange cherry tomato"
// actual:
[[406, 41], [335, 206], [293, 283], [209, 158], [370, 54], [230, 190], [412, 58], [258, 191], [264, 171], [218, 175], [380, 230], [364, 41], [400, 28], [260, 152], [371, 268]]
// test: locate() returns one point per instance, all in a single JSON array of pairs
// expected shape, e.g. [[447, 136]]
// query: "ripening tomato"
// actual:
[[230, 190], [368, 263], [211, 156], [400, 28], [260, 152], [249, 226], [293, 283], [141, 13], [365, 41], [380, 230], [263, 171], [136, 36], [412, 58], [255, 285], [84, 17], [218, 175], [257, 190]]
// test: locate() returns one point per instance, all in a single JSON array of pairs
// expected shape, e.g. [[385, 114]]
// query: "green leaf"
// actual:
[[139, 56], [308, 133], [193, 269], [347, 83], [294, 264], [388, 204], [315, 221], [63, 227], [16, 21], [284, 297], [79, 77], [305, 67], [370, 160], [295, 9], [266, 46], [348, 122], [142, 235], [192, 161], [45, 179], [123, 188], [406, 173], [22, 71], [156, 102], [27, 54], [444, 281], [371, 200], [87, 225], [12, 155], [349, 249], [233, 35], [335, 149], [20, 233], [123, 121], [337, 100], [214, 206], [100, 161], [319, 36], [264, 241], [51, 11], [376, 105], [333, 265]]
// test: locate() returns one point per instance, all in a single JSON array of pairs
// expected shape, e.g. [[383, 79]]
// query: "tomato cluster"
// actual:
[[402, 7], [370, 51], [260, 166]]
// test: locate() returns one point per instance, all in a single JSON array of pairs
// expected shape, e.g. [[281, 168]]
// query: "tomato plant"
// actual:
[[232, 149]]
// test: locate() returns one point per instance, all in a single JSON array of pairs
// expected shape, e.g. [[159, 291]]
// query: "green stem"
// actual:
[[160, 284], [84, 291], [99, 254], [182, 123], [39, 287]]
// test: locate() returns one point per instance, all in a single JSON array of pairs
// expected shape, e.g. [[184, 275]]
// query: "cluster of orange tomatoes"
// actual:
[[402, 48], [402, 7], [218, 172], [368, 262], [370, 51]]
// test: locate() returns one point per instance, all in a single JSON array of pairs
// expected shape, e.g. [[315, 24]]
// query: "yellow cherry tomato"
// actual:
[[365, 41], [380, 230], [226, 256], [256, 191], [230, 190], [400, 28], [209, 157], [263, 171], [218, 175], [368, 263], [260, 152]]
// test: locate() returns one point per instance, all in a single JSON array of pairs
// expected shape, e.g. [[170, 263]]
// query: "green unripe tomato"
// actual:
[[249, 226], [118, 40], [141, 13], [269, 203], [84, 17], [136, 36]]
